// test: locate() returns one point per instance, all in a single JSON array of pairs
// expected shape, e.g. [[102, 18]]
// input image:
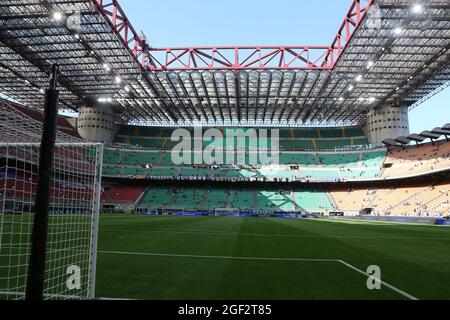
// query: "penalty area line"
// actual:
[[213, 257], [190, 256], [384, 283]]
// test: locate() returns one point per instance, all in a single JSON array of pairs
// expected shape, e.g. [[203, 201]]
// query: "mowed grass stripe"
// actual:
[[401, 292], [171, 277], [416, 265], [232, 234]]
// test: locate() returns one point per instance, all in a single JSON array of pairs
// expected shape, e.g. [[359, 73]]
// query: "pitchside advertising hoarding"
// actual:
[[421, 220]]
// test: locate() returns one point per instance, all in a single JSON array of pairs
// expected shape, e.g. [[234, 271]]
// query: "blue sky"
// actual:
[[257, 22]]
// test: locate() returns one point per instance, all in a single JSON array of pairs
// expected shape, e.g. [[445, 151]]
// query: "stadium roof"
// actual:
[[435, 134], [416, 137], [441, 131], [385, 53]]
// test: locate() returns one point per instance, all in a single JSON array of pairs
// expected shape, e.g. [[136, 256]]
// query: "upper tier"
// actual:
[[292, 165], [289, 139], [312, 166]]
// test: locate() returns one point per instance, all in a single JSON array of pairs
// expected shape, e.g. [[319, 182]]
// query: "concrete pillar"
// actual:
[[97, 124], [387, 122]]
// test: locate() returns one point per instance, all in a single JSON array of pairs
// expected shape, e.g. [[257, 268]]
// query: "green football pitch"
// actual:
[[173, 257]]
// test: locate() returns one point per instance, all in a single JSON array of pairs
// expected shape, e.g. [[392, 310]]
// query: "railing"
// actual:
[[354, 149]]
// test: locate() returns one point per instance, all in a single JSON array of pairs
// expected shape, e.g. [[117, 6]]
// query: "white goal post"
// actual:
[[70, 266]]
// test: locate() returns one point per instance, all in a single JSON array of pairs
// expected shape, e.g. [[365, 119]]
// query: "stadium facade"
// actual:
[[335, 115]]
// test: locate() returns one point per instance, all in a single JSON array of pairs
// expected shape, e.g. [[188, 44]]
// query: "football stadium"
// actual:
[[129, 171]]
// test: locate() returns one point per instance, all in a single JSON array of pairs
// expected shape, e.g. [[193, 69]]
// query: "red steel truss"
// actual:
[[106, 61], [124, 30], [232, 58], [239, 58]]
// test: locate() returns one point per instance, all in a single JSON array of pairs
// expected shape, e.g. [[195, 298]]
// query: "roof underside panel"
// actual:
[[377, 67], [82, 44], [408, 66]]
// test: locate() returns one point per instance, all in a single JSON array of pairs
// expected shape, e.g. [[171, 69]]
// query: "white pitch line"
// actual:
[[22, 294], [401, 292], [348, 265], [201, 232], [115, 299], [212, 257]]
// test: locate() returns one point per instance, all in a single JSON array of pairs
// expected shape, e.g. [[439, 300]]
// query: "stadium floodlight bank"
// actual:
[[73, 219]]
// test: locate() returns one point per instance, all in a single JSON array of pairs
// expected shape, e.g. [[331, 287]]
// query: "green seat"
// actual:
[[313, 201], [275, 201]]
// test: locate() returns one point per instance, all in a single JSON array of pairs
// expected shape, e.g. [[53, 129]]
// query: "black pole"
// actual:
[[36, 269]]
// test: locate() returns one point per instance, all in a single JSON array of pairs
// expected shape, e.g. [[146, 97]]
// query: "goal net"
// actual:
[[73, 218]]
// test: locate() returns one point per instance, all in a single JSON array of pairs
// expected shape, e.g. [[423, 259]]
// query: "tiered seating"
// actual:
[[351, 201], [140, 158], [405, 201], [241, 199], [313, 201], [294, 165], [185, 198], [306, 133], [156, 198], [353, 132], [317, 166], [112, 170], [121, 194], [19, 187], [331, 144], [279, 200], [298, 158], [216, 198], [151, 143], [416, 160], [410, 201], [324, 166], [112, 156], [296, 144], [237, 199], [24, 186], [290, 139]]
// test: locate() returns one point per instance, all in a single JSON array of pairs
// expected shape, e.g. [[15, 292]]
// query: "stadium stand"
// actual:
[[421, 200], [431, 200], [349, 165], [121, 194], [407, 161], [212, 198], [290, 139], [315, 166], [295, 164]]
